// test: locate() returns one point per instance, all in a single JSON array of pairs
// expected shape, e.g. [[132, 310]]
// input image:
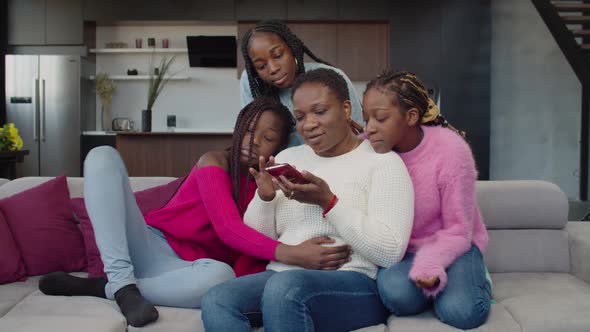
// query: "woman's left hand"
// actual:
[[317, 191]]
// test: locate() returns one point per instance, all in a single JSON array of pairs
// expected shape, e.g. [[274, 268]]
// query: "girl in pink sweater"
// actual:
[[173, 255], [443, 265]]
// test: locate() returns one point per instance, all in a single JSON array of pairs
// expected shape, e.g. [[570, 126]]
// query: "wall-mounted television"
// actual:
[[212, 51]]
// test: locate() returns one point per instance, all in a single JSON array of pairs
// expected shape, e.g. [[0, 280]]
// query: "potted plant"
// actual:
[[105, 88], [10, 140], [159, 77]]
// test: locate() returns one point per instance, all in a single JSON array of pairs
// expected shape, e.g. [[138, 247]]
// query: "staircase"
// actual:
[[569, 23]]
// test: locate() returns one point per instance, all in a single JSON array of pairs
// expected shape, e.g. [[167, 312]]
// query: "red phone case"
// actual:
[[288, 171]]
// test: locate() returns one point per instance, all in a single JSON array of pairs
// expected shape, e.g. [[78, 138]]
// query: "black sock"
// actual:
[[138, 311], [61, 283]]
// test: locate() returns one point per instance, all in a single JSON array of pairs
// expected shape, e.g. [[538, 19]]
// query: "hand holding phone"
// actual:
[[287, 171]]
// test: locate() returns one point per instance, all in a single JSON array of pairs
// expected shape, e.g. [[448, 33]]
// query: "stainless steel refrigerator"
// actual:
[[43, 101]]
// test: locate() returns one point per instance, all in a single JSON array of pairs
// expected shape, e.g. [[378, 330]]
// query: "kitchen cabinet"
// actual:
[[255, 10], [307, 10], [45, 22], [334, 10], [224, 10], [26, 22], [364, 10], [64, 22], [107, 11], [167, 154]]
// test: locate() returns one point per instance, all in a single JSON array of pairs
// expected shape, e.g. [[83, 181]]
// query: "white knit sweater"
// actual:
[[374, 213]]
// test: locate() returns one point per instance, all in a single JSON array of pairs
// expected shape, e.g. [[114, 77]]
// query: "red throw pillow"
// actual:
[[12, 267], [42, 226], [147, 200]]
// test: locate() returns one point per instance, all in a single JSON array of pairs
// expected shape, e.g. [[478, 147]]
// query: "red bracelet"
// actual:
[[330, 206]]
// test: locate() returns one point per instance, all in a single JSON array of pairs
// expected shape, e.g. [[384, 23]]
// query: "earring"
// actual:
[[296, 63]]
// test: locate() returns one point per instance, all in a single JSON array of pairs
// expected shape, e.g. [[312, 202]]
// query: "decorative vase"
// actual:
[[146, 120], [105, 118]]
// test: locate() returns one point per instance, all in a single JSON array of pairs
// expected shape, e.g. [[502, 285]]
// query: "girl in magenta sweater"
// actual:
[[443, 265], [198, 239]]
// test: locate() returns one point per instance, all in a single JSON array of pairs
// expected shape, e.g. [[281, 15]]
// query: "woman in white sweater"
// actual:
[[355, 196]]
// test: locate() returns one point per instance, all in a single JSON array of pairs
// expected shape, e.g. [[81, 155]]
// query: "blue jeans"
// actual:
[[294, 300], [134, 253], [464, 303]]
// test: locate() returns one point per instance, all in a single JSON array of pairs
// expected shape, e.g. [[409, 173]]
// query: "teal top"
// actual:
[[285, 96]]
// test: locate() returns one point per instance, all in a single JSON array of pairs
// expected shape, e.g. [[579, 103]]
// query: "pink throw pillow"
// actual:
[[12, 267], [147, 200], [42, 226]]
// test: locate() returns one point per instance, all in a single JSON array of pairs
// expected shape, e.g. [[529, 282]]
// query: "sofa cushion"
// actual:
[[38, 312], [59, 323], [174, 319], [498, 320], [544, 302], [528, 250], [579, 239], [21, 184], [42, 225], [33, 311], [522, 204], [147, 200], [76, 185], [11, 294], [12, 267]]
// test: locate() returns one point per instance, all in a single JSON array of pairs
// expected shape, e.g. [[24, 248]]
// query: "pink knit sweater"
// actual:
[[447, 220], [202, 221]]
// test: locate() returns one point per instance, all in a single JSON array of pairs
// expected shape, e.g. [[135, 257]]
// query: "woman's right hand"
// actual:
[[312, 255], [266, 188]]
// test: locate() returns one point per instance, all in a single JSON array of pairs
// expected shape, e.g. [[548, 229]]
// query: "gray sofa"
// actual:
[[540, 266]]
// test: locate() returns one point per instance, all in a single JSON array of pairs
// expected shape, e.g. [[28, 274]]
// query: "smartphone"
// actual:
[[288, 171]]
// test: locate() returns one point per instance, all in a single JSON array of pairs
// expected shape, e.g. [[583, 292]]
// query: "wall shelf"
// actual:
[[140, 78], [146, 50]]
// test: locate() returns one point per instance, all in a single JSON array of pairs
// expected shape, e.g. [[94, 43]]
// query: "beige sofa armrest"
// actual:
[[579, 243]]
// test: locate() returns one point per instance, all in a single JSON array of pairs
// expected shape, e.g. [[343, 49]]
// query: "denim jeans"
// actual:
[[134, 253], [294, 300], [464, 303]]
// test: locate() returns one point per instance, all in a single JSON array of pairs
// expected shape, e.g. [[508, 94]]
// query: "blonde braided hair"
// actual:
[[411, 93]]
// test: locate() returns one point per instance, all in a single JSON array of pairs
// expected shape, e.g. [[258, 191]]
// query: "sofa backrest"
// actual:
[[76, 185], [525, 222]]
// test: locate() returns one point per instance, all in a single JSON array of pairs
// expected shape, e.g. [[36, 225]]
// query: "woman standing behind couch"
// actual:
[[356, 196], [198, 239], [444, 263], [273, 57]]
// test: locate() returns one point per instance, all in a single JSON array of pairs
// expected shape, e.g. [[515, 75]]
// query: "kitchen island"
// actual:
[[167, 153]]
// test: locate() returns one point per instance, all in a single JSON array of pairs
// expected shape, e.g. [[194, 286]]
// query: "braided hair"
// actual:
[[258, 87], [333, 81], [246, 123], [410, 92]]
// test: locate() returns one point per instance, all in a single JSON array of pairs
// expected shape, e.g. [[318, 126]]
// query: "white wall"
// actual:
[[209, 100], [535, 101]]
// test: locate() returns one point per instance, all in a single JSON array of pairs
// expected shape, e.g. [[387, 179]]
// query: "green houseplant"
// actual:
[[10, 140], [105, 88], [159, 77]]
